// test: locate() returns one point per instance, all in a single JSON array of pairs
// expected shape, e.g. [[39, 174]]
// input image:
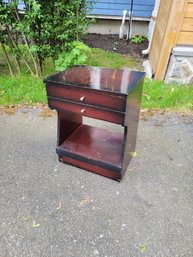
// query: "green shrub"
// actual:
[[45, 28]]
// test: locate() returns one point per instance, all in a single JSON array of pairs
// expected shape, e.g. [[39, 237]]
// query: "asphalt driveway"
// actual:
[[51, 209]]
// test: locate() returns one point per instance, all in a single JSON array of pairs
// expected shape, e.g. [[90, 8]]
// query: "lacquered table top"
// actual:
[[104, 79]]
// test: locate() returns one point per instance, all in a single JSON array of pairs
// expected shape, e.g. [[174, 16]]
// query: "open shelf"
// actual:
[[98, 145]]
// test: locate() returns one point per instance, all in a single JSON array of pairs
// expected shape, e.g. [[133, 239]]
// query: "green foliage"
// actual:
[[138, 39], [76, 54], [95, 57], [45, 28], [53, 24]]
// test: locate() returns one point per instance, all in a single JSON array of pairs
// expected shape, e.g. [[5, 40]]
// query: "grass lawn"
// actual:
[[21, 89], [156, 95], [99, 57]]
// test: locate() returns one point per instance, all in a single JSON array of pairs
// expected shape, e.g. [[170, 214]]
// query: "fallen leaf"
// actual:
[[35, 225], [133, 154], [143, 248], [26, 217], [59, 206], [46, 113], [85, 201]]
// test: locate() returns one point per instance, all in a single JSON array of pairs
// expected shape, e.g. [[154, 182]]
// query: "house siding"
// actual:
[[141, 8]]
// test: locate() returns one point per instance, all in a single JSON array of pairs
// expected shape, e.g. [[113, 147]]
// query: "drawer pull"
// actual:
[[82, 111], [82, 98]]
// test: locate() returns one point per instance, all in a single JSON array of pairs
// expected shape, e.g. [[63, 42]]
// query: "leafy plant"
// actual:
[[138, 39], [44, 27], [76, 53]]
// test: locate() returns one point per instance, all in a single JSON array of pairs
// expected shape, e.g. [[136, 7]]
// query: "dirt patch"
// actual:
[[12, 109], [146, 114], [8, 110], [112, 43], [46, 113]]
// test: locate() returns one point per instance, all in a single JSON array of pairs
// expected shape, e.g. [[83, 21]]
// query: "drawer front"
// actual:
[[88, 111], [85, 96]]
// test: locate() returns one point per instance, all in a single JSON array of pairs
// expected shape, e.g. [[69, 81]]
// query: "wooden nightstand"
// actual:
[[101, 93]]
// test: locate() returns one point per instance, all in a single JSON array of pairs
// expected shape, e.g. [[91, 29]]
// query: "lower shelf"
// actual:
[[94, 149]]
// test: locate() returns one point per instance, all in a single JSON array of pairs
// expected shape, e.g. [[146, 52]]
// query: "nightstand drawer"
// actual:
[[85, 96], [87, 110]]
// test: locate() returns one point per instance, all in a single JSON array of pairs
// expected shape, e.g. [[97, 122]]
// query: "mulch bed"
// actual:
[[112, 43]]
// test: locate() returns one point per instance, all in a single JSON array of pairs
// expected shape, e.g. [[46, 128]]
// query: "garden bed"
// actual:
[[114, 44]]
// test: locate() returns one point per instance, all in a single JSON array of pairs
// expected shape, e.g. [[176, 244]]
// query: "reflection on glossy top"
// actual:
[[105, 79]]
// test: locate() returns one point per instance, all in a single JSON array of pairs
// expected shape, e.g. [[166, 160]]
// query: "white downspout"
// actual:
[[122, 27], [152, 26]]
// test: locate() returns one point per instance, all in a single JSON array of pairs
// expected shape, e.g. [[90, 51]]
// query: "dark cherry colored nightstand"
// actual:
[[101, 93]]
